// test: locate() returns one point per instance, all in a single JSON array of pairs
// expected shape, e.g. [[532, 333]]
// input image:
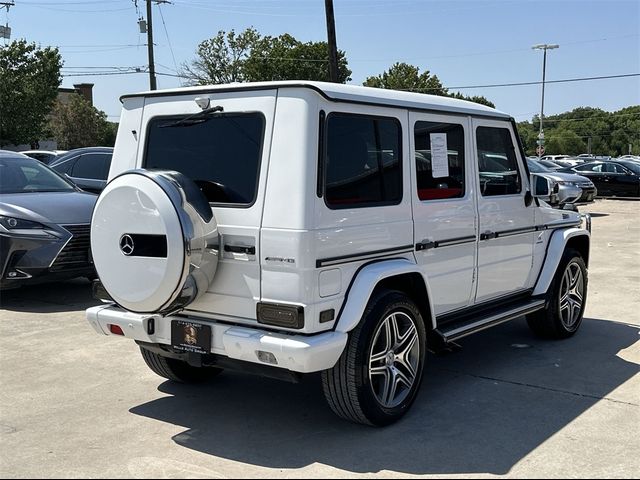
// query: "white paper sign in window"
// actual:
[[439, 158]]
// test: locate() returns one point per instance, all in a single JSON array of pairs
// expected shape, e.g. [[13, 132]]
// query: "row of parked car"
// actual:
[[612, 177], [48, 233], [87, 167]]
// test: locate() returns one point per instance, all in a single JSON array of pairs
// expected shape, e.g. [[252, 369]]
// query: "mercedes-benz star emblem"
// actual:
[[126, 244]]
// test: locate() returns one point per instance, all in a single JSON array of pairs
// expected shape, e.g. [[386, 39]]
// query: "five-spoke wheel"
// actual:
[[379, 373], [394, 359], [566, 299], [571, 294]]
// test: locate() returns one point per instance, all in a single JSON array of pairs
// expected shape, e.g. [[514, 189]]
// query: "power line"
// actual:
[[100, 74], [175, 64], [584, 119], [580, 79], [66, 10], [518, 84], [83, 2]]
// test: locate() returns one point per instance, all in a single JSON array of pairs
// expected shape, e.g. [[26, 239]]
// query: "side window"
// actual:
[[94, 166], [615, 168], [497, 162], [594, 167], [363, 161], [439, 167]]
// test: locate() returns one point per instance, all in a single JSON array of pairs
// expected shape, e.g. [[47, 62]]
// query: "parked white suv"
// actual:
[[296, 227]]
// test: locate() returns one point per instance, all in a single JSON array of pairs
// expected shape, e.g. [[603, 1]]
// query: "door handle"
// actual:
[[425, 245], [240, 249], [488, 235]]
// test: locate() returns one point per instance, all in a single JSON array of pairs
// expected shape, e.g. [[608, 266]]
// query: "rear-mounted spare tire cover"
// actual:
[[154, 241]]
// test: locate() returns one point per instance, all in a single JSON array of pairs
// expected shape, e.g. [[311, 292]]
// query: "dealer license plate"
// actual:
[[190, 337]]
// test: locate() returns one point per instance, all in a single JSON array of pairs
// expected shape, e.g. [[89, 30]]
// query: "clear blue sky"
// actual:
[[463, 42]]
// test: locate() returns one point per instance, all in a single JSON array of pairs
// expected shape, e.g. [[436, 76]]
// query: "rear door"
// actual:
[[444, 207], [621, 180], [507, 224], [596, 172], [227, 155]]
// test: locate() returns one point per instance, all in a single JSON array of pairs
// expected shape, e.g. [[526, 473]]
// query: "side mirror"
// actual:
[[545, 189]]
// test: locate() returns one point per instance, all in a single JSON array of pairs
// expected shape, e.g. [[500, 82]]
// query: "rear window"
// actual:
[[220, 153], [93, 166]]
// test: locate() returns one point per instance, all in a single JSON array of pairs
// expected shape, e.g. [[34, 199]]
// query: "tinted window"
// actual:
[[443, 182], [497, 162], [591, 167], [220, 153], [634, 167], [615, 168], [45, 158], [92, 165], [363, 161], [27, 175]]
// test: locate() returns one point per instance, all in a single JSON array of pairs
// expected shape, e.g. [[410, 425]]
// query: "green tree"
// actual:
[[286, 58], [564, 142], [475, 99], [403, 76], [608, 133], [77, 124], [29, 81], [109, 134], [528, 136], [221, 59], [249, 57]]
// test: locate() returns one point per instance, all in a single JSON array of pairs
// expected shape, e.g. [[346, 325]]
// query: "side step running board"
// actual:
[[456, 330]]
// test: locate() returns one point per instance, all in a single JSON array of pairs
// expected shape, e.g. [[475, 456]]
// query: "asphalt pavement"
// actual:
[[76, 404]]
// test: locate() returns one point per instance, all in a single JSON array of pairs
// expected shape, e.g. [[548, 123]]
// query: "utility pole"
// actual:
[[5, 31], [331, 40], [148, 25], [152, 66], [545, 47]]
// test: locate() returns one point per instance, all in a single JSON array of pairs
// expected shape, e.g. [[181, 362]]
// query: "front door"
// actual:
[[444, 209], [507, 228]]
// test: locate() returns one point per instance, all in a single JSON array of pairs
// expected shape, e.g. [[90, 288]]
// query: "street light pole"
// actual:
[[544, 47]]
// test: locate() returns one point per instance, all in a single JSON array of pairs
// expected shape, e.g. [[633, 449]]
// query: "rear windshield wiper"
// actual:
[[194, 119]]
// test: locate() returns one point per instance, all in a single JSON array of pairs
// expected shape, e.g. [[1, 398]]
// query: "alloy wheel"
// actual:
[[571, 295], [394, 359]]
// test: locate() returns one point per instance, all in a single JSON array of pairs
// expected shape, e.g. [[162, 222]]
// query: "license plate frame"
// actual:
[[190, 337]]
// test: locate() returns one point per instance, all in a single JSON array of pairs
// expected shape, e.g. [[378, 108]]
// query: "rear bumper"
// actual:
[[297, 353]]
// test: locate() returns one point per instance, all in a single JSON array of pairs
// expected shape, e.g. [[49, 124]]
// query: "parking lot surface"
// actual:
[[76, 404]]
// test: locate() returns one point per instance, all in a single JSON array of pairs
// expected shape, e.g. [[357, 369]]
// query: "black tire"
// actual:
[[554, 321], [351, 390], [177, 370]]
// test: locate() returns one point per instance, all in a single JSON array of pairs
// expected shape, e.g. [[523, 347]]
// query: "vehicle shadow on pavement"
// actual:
[[481, 410], [67, 296]]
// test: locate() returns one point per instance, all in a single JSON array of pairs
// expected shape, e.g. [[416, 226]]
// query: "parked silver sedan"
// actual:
[[576, 189]]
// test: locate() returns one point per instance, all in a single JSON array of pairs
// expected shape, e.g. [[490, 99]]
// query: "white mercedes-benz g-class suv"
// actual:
[[296, 227]]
